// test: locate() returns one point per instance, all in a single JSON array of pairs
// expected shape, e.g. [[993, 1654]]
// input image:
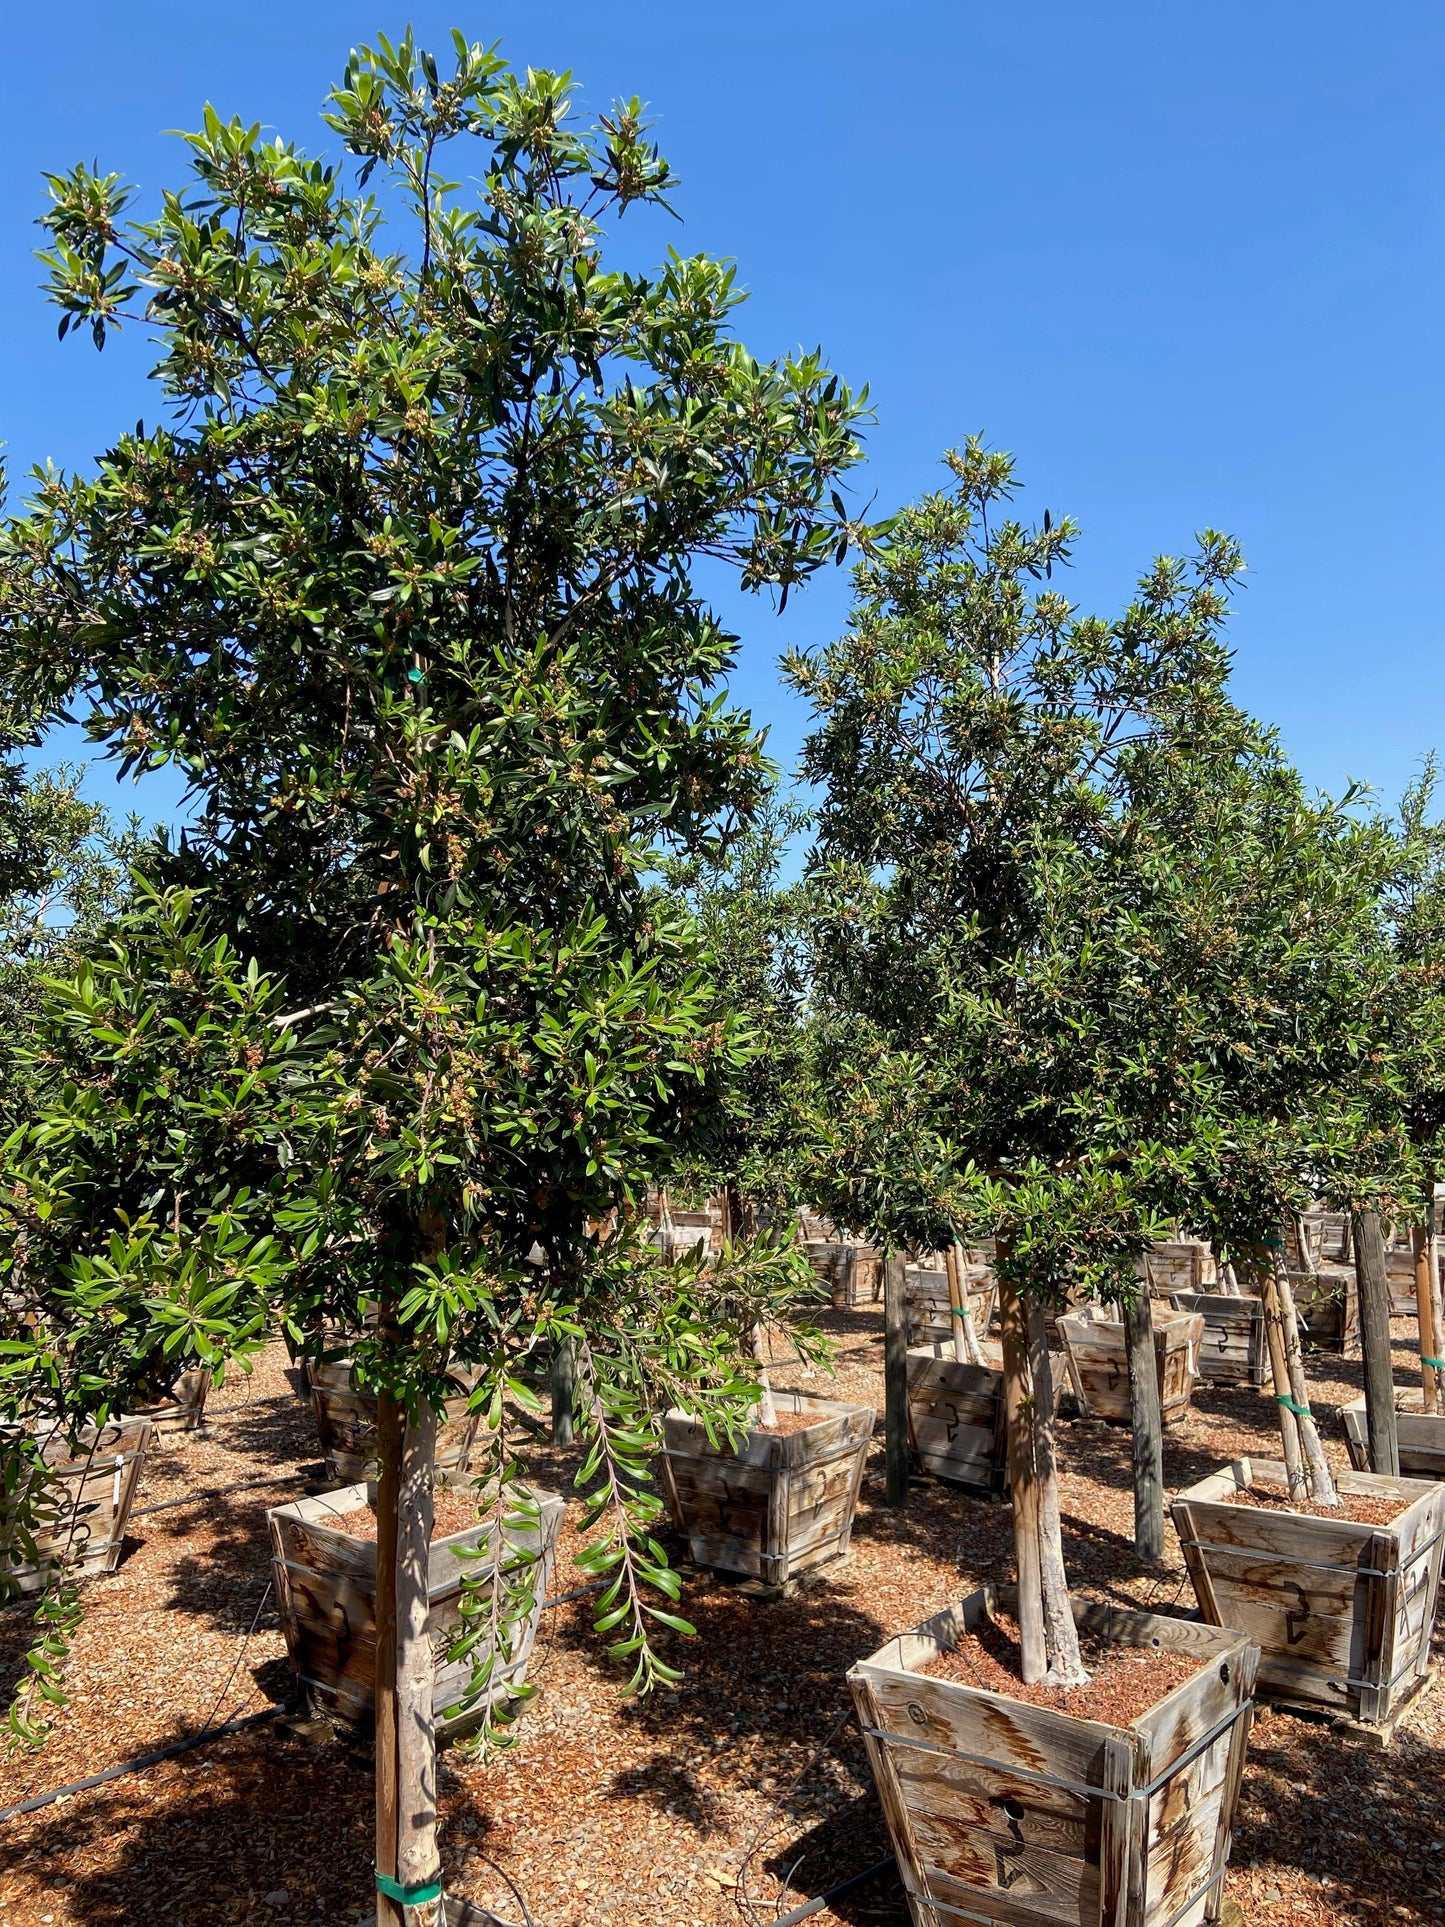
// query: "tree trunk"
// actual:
[[1146, 1419], [1023, 1482], [1306, 1247], [1424, 1243], [1229, 1281], [966, 1348], [562, 1377], [1061, 1635], [1283, 1397], [417, 1861], [767, 1410], [895, 1383], [389, 1423], [1374, 1287], [1321, 1483]]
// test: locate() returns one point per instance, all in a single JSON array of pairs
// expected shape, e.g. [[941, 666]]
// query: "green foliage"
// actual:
[[403, 584], [1084, 949]]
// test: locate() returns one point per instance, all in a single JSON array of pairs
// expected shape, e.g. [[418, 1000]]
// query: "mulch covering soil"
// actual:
[[1123, 1682], [450, 1513], [721, 1803], [1354, 1508]]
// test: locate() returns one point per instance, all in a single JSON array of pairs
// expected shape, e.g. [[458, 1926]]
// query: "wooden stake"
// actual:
[[1374, 1287], [1321, 1482], [1425, 1313], [1147, 1422], [1284, 1398], [388, 1481], [1023, 1480], [767, 1410], [966, 1348], [1061, 1635], [895, 1383], [417, 1860]]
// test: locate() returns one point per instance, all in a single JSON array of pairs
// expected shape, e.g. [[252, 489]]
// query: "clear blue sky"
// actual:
[[1184, 261]]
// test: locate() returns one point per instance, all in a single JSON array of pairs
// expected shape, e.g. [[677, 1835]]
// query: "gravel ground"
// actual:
[[727, 1800]]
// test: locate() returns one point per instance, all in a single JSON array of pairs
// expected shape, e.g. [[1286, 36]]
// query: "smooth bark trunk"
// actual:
[[389, 1427], [1023, 1480], [1283, 1397], [563, 1379], [1061, 1635], [1306, 1247], [1374, 1288], [1321, 1482], [1147, 1422], [417, 1860], [895, 1383], [966, 1348]]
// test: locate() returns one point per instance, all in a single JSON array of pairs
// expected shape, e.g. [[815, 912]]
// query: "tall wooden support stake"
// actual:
[[1147, 1421], [966, 1348], [417, 1861], [389, 1425], [1061, 1635], [1424, 1243], [1284, 1398], [1018, 1394], [895, 1382], [1374, 1287], [562, 1381]]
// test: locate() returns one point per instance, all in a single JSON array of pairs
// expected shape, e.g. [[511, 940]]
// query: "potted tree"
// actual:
[[439, 686]]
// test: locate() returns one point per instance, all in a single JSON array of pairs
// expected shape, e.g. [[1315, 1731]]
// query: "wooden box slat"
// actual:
[[91, 1489], [1421, 1438], [185, 1409], [1099, 1364], [325, 1583], [1328, 1303], [854, 1273], [927, 1307], [1341, 1612], [781, 1502], [1234, 1349], [346, 1425], [1027, 1816], [1183, 1264]]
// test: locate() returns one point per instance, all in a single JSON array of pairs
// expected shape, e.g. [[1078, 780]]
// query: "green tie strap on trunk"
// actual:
[[1300, 1411], [1438, 1363], [409, 1896], [1273, 1244]]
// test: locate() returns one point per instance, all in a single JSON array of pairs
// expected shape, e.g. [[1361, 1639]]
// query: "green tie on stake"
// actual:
[[416, 1896]]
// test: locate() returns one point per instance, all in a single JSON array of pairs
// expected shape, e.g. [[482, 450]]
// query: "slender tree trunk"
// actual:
[[1306, 1247], [966, 1348], [895, 1382], [417, 1861], [1023, 1480], [1061, 1635], [1374, 1288], [563, 1376], [1321, 1482], [390, 1420], [767, 1410], [1147, 1422], [1229, 1281], [1283, 1397]]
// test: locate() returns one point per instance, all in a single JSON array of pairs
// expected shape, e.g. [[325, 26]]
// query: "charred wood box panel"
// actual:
[[325, 1582], [782, 1502], [1234, 1349], [1341, 1613], [346, 1425], [1002, 1811], [1328, 1303], [82, 1496], [928, 1309], [853, 1273], [1099, 1364], [1421, 1437]]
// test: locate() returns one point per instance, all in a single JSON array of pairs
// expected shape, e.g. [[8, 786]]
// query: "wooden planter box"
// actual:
[[346, 1425], [325, 1582], [1341, 1613], [1328, 1304], [928, 1313], [1234, 1349], [1184, 1265], [90, 1490], [956, 1423], [854, 1273], [1421, 1437], [1002, 1811], [1099, 1363], [779, 1505], [184, 1410]]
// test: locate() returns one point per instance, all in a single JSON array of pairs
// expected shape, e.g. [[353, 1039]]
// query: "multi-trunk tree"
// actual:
[[1071, 913], [403, 584]]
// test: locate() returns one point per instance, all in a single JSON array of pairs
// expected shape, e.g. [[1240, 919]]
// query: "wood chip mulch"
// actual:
[[722, 1803]]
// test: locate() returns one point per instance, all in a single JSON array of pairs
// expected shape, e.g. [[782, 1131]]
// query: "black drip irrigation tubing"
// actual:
[[219, 1492], [820, 1901]]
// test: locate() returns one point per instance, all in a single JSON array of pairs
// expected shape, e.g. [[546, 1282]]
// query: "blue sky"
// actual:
[[1185, 262]]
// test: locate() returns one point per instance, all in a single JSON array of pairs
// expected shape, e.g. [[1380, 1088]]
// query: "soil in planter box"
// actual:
[[452, 1512], [1124, 1682], [1355, 1508], [786, 1423]]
